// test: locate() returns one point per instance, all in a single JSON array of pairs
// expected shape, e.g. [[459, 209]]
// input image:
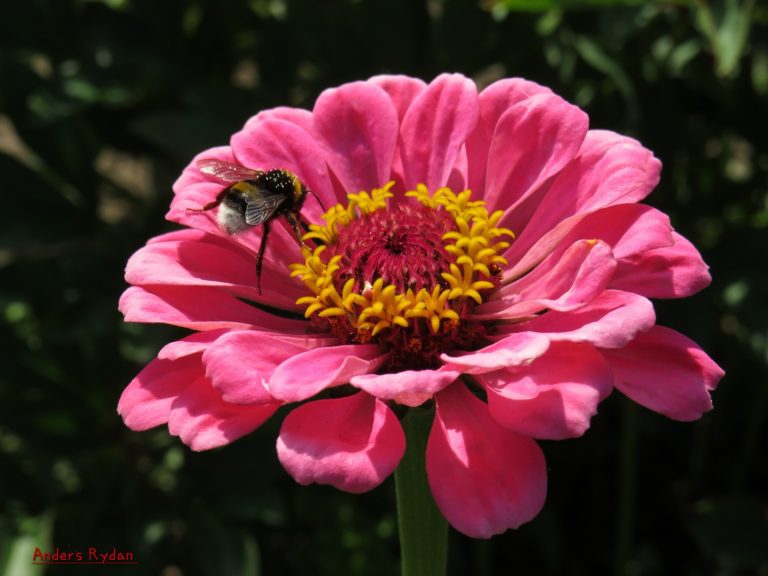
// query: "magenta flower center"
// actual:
[[402, 245], [404, 274]]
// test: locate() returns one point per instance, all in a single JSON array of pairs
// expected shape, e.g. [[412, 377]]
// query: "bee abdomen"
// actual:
[[231, 214]]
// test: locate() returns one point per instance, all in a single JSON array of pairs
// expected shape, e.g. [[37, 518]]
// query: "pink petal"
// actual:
[[629, 229], [542, 248], [298, 116], [611, 320], [674, 271], [410, 387], [351, 443], [146, 402], [494, 101], [555, 396], [663, 370], [269, 143], [213, 261], [484, 478], [305, 374], [209, 260], [514, 350], [403, 90], [533, 141], [241, 363], [183, 234], [198, 308], [434, 129], [609, 169], [192, 344], [193, 190], [358, 125], [571, 281], [203, 420]]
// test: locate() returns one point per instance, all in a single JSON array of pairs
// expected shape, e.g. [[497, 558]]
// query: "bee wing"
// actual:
[[226, 171], [259, 210]]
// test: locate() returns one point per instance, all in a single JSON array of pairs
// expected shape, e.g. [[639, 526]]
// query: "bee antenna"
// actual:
[[318, 199]]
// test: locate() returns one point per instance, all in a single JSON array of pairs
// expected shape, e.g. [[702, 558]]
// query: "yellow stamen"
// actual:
[[475, 244]]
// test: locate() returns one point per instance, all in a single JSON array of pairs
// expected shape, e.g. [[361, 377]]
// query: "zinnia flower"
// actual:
[[485, 253]]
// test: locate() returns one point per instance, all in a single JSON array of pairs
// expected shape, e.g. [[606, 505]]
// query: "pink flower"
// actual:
[[514, 308]]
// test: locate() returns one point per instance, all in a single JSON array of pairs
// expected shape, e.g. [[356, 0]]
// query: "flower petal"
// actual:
[[515, 350], [409, 387], [304, 375], [298, 116], [403, 90], [193, 190], [609, 169], [352, 443], [629, 229], [494, 101], [241, 362], [203, 420], [201, 260], [667, 372], [357, 123], [434, 129], [484, 478], [146, 402], [209, 260], [674, 271], [565, 283], [611, 320], [198, 308], [533, 141], [555, 396], [192, 344]]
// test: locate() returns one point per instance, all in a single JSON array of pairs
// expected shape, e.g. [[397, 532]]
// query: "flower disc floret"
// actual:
[[404, 275]]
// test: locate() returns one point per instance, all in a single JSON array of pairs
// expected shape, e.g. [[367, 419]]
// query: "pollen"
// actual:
[[403, 272]]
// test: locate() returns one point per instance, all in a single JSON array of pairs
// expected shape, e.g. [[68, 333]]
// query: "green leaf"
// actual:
[[760, 71], [17, 550], [545, 5], [222, 548], [595, 56], [726, 25]]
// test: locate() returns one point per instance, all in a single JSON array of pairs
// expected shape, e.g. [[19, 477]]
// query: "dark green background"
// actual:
[[101, 105]]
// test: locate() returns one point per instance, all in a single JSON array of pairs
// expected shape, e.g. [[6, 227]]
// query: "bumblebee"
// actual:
[[256, 197]]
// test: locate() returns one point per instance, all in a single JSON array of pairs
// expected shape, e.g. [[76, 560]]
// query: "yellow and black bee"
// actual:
[[255, 197]]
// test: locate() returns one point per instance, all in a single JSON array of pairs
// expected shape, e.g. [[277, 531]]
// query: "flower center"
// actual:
[[405, 276], [402, 245]]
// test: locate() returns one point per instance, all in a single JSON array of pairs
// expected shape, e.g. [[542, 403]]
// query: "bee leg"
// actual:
[[294, 222], [211, 205], [260, 255]]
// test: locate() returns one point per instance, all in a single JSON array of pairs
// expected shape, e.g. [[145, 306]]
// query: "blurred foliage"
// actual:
[[102, 102]]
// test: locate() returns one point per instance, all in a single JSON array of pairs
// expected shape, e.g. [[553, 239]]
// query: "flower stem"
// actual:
[[626, 495], [423, 530]]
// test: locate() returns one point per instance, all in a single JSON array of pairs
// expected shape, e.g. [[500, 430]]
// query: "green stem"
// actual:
[[625, 519], [423, 530]]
